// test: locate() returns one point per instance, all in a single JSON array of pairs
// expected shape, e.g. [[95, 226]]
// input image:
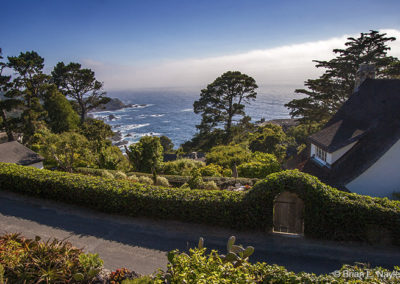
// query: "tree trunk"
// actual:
[[10, 136]]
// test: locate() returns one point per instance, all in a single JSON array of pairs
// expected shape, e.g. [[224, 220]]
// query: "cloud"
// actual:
[[284, 65]]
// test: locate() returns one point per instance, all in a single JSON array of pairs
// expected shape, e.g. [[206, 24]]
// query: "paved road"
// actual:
[[141, 244]]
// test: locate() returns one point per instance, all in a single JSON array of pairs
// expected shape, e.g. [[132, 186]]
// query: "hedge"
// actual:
[[328, 214]]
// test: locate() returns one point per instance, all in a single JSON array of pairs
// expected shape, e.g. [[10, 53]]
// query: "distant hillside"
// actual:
[[114, 104]]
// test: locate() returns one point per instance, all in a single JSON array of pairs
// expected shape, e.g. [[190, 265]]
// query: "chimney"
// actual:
[[364, 72]]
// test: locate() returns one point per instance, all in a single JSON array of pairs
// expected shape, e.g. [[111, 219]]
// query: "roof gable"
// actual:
[[16, 153], [371, 116]]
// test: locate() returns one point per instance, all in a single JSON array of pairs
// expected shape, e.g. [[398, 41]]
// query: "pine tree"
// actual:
[[325, 95]]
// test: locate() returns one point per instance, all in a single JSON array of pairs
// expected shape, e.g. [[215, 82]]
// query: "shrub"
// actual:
[[146, 180], [227, 173], [107, 174], [227, 156], [133, 178], [140, 280], [34, 261], [146, 155], [210, 185], [195, 181], [328, 214], [199, 267], [181, 167], [120, 175], [263, 165], [162, 181], [211, 170]]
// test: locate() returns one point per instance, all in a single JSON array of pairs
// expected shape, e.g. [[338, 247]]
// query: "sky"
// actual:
[[186, 44]]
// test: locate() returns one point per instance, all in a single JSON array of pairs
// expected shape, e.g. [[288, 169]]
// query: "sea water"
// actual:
[[171, 114]]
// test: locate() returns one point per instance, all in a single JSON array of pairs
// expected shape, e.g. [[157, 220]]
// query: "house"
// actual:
[[359, 148], [14, 152]]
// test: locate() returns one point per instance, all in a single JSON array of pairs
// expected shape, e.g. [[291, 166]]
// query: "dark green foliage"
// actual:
[[81, 85], [167, 144], [195, 181], [329, 213], [29, 86], [228, 156], [6, 103], [270, 139], [97, 132], [111, 158], [181, 167], [146, 155], [211, 170], [261, 166], [325, 95], [223, 100], [67, 150], [204, 141], [34, 261], [61, 116]]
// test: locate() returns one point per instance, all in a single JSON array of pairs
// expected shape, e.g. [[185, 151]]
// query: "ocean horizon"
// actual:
[[171, 113]]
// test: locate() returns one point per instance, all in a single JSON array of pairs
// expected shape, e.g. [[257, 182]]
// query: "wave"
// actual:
[[187, 109], [125, 128]]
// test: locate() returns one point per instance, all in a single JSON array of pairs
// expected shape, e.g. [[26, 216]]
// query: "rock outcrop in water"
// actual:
[[114, 104]]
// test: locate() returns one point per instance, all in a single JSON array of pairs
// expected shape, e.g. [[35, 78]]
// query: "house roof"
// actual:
[[371, 116], [14, 152]]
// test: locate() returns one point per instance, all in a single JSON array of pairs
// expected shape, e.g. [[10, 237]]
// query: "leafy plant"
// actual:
[[35, 261], [162, 181]]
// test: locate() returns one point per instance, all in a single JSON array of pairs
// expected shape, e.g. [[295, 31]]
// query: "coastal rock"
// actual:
[[121, 143], [113, 104]]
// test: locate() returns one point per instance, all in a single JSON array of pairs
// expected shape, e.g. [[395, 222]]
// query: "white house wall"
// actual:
[[337, 154], [37, 165], [382, 178]]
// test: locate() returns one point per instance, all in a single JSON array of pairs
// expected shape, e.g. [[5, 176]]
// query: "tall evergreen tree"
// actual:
[[81, 85], [325, 95], [6, 104], [224, 99], [29, 86]]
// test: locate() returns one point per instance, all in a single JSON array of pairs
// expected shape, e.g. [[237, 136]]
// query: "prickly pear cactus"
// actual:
[[236, 254]]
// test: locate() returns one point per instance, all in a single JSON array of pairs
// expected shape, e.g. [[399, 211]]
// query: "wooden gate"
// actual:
[[288, 213]]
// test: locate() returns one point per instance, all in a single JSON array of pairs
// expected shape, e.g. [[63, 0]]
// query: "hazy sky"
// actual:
[[187, 44]]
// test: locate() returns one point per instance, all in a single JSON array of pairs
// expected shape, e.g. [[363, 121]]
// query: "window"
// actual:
[[321, 154]]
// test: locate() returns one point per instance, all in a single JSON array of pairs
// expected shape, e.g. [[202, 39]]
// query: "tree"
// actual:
[[61, 116], [167, 144], [68, 150], [111, 158], [224, 99], [325, 95], [6, 104], [146, 155], [270, 139], [97, 132], [29, 86], [81, 85]]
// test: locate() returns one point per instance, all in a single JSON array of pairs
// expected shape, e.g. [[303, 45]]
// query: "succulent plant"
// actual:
[[236, 254]]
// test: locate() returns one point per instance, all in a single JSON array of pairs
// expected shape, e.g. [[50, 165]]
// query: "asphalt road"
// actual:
[[141, 244]]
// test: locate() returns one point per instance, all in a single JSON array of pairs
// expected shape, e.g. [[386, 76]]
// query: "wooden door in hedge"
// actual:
[[288, 214]]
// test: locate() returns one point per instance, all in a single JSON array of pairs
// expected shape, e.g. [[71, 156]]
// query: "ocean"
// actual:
[[171, 113]]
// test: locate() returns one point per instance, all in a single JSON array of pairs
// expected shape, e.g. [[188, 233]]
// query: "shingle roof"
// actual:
[[14, 152], [370, 116]]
